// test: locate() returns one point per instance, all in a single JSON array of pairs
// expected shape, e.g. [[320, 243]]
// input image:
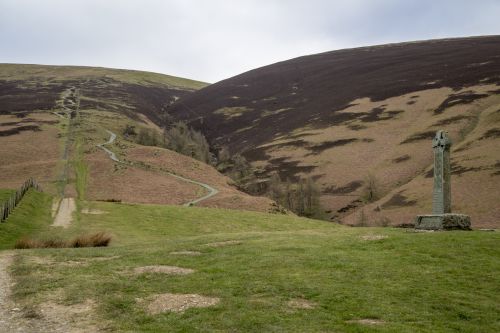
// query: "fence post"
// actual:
[[8, 206]]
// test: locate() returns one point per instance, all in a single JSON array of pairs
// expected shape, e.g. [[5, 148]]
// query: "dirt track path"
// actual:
[[49, 316], [11, 316], [211, 191], [6, 313], [110, 141], [64, 213]]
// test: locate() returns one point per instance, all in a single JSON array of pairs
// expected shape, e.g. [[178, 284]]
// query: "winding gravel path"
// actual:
[[211, 191], [110, 141]]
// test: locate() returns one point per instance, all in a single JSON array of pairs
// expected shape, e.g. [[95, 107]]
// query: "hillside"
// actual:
[[342, 115], [53, 118], [233, 264]]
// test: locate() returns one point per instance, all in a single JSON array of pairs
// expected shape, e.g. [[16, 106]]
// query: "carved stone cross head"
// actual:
[[441, 140]]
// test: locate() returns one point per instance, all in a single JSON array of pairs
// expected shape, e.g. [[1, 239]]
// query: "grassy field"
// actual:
[[5, 194], [30, 217], [276, 273]]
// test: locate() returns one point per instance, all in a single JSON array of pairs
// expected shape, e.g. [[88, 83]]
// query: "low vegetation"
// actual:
[[301, 198], [99, 239], [370, 191], [187, 141], [237, 168], [177, 137], [269, 273], [5, 194], [30, 217]]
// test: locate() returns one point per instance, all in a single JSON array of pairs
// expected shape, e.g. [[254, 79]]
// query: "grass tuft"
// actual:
[[99, 239], [28, 243]]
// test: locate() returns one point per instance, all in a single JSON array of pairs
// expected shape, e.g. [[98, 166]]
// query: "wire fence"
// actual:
[[7, 207]]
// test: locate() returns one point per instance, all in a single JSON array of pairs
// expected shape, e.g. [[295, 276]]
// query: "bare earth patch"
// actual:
[[49, 316], [73, 315], [39, 260], [372, 237], [73, 263], [172, 270], [104, 258], [367, 321], [225, 243], [92, 211], [186, 253], [179, 302], [7, 313], [300, 303], [65, 212], [86, 261]]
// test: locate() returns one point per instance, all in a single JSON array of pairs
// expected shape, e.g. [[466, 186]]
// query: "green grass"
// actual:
[[30, 217], [412, 282], [5, 194], [81, 168]]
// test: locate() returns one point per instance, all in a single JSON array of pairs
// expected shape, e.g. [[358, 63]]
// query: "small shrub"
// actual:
[[148, 137], [129, 131], [110, 200], [185, 140], [100, 239], [27, 243], [301, 198], [53, 244], [370, 191]]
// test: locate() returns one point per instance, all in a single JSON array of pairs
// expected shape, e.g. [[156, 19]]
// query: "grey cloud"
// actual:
[[213, 40]]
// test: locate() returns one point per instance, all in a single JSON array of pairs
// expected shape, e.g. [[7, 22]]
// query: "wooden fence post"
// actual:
[[8, 206]]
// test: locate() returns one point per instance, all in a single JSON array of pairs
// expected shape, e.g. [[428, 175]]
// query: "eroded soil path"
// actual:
[[12, 318], [6, 307], [211, 191], [65, 212], [50, 316]]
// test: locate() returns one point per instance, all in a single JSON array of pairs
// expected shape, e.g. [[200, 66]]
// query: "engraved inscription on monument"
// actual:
[[442, 218]]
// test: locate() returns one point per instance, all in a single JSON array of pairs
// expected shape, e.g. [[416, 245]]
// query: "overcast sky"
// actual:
[[210, 40]]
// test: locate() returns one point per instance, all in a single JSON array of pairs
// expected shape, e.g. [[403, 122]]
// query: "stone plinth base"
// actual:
[[443, 222]]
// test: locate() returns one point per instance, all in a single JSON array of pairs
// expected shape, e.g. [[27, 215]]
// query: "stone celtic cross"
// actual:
[[442, 218], [441, 200]]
